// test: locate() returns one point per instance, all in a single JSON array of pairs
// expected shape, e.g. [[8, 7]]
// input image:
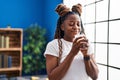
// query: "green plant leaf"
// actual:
[[35, 43]]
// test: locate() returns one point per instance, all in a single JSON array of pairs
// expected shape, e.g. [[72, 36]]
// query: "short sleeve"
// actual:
[[52, 48]]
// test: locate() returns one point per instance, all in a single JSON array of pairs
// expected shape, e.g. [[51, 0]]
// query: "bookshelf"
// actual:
[[11, 51]]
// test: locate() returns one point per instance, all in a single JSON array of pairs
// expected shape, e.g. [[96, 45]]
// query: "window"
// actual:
[[102, 21]]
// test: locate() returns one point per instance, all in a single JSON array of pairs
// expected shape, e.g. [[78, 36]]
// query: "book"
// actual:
[[7, 42], [5, 60], [9, 61], [2, 41], [0, 61], [3, 77]]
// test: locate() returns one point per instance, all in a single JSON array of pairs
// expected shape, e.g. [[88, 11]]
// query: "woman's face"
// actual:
[[71, 26]]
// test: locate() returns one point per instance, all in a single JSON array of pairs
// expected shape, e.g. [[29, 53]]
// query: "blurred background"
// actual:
[[101, 19]]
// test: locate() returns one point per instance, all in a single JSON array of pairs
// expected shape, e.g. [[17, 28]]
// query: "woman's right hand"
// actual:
[[80, 43]]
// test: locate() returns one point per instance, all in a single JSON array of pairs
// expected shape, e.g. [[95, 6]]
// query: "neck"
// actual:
[[69, 39]]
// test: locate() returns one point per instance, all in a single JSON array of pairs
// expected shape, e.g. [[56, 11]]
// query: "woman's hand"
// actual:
[[80, 43]]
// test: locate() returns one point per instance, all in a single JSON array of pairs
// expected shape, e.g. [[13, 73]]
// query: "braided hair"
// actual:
[[63, 13]]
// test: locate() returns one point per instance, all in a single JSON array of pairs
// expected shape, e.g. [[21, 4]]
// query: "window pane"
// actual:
[[101, 53], [92, 45], [114, 74], [102, 72], [114, 55], [114, 9], [89, 30], [89, 1], [101, 32], [90, 13], [114, 31], [102, 10]]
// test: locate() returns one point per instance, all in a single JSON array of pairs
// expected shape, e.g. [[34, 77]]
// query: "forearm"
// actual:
[[59, 72], [91, 68]]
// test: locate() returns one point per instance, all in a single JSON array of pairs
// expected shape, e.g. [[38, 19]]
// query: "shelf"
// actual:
[[10, 49], [10, 69], [11, 29]]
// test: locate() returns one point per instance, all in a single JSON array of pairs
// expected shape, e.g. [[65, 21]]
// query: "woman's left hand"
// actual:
[[84, 46], [82, 42]]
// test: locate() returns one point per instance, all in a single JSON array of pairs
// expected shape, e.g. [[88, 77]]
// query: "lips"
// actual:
[[75, 32]]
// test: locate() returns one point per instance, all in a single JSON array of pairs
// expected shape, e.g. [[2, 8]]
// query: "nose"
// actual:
[[75, 27]]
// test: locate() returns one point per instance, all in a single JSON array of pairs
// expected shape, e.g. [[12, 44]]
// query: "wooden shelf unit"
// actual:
[[12, 48]]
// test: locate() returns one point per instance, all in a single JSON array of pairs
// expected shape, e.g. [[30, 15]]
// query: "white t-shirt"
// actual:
[[76, 70]]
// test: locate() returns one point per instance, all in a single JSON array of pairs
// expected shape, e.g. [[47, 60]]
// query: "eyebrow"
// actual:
[[73, 21]]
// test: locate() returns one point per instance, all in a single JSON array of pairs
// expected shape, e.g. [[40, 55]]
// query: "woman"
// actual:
[[68, 57]]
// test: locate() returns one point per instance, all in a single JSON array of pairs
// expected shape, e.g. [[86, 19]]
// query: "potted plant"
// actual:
[[33, 48]]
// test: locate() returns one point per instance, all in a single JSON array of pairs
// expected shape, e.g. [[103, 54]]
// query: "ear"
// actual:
[[62, 27]]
